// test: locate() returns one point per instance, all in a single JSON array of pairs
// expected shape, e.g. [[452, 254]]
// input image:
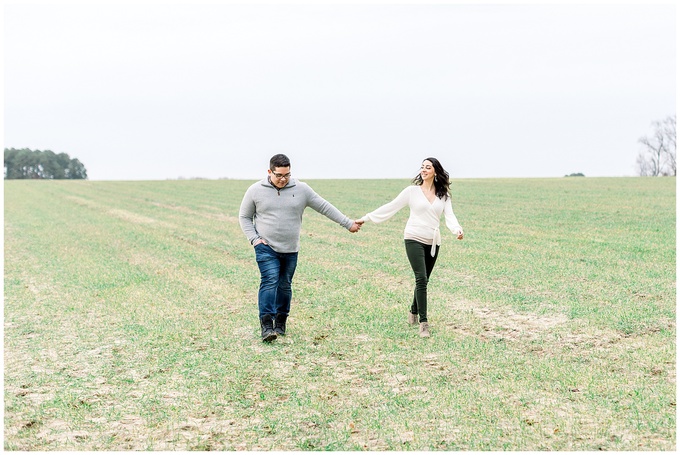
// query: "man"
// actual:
[[271, 218]]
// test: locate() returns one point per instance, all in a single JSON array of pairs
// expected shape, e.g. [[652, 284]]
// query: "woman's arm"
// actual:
[[451, 220], [388, 210]]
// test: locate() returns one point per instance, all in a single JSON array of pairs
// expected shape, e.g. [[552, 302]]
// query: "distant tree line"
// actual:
[[658, 154], [36, 164]]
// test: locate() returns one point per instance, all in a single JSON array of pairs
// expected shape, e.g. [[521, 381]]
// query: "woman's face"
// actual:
[[427, 171]]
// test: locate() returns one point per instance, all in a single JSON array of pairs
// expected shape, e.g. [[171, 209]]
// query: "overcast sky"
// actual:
[[162, 90]]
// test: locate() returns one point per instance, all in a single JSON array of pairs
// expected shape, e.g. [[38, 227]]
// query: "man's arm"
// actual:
[[328, 210], [245, 217]]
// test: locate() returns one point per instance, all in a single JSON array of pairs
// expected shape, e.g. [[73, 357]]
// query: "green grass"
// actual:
[[131, 321]]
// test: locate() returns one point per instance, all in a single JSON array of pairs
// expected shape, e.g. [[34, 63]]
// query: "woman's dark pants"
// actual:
[[422, 263]]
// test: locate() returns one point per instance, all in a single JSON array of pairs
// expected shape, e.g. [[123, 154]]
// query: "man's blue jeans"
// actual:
[[276, 276]]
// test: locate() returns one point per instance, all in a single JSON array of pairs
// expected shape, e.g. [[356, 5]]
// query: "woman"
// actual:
[[427, 198]]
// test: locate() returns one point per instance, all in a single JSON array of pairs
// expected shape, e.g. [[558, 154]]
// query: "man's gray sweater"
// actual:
[[275, 215]]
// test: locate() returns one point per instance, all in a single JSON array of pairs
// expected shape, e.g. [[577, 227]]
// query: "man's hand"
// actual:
[[258, 241], [356, 226]]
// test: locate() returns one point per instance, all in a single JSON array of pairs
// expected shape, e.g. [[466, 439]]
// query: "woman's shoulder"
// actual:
[[409, 190]]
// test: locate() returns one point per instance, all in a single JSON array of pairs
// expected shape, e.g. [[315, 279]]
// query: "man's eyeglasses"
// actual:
[[281, 176]]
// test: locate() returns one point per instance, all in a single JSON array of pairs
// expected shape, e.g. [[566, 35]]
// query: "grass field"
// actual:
[[131, 321]]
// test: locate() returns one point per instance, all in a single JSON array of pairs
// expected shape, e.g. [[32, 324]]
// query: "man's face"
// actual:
[[279, 176]]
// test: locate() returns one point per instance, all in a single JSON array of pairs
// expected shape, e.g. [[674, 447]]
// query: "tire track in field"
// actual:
[[172, 270], [121, 214], [176, 231], [189, 211], [143, 220]]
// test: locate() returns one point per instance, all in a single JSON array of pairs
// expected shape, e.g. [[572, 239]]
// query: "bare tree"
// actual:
[[669, 132], [658, 155]]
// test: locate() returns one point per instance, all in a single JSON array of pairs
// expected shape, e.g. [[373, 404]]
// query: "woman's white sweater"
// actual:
[[423, 222]]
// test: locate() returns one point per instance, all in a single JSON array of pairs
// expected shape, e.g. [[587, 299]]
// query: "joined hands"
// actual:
[[356, 226]]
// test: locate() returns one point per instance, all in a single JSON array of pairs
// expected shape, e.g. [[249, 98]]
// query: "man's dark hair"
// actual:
[[279, 160]]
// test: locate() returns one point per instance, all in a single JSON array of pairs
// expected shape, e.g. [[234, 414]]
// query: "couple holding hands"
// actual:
[[271, 218]]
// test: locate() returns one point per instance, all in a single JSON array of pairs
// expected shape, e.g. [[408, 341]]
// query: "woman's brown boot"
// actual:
[[412, 318], [424, 330]]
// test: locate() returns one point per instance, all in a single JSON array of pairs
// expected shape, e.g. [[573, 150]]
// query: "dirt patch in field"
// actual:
[[509, 324], [495, 324], [540, 332]]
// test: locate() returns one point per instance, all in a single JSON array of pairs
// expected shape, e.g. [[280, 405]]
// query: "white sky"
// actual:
[[162, 90]]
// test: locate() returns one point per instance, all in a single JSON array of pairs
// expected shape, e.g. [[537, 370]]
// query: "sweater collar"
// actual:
[[267, 182]]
